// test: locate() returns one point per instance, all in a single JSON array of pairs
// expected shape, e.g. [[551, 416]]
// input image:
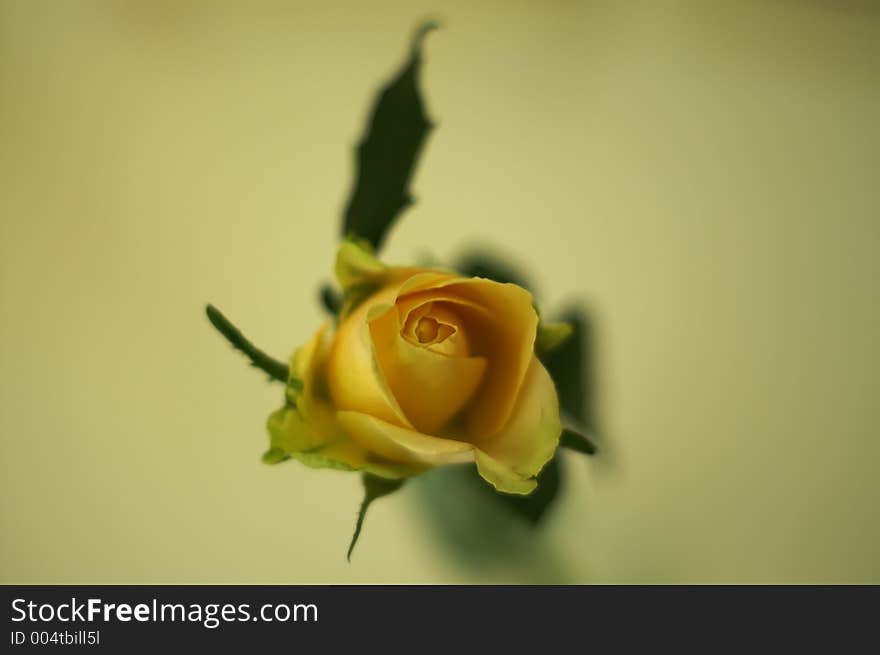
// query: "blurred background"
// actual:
[[702, 176]]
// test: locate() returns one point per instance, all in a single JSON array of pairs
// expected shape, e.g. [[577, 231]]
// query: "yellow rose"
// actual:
[[424, 368]]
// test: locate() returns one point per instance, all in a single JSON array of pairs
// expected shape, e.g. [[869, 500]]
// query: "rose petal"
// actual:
[[296, 437], [500, 324], [305, 364], [426, 280], [512, 457], [310, 357], [501, 477], [412, 319], [430, 387], [355, 380], [455, 343], [309, 430], [401, 444]]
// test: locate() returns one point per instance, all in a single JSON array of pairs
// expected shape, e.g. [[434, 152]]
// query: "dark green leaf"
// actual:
[[533, 506], [388, 153], [569, 366], [374, 487], [574, 441], [275, 369]]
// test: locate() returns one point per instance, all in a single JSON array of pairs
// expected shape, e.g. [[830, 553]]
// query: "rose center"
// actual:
[[427, 329], [434, 327], [430, 332]]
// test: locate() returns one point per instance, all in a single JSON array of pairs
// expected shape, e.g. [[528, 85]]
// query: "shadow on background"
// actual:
[[574, 368], [499, 534], [479, 533]]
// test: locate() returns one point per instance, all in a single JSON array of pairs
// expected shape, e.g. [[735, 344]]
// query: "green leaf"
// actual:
[[374, 487], [578, 442], [533, 506], [388, 153], [275, 369], [551, 335]]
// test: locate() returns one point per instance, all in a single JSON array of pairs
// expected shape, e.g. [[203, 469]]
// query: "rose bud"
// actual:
[[424, 368]]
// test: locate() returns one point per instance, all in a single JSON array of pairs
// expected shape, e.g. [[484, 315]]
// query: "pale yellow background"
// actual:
[[704, 175]]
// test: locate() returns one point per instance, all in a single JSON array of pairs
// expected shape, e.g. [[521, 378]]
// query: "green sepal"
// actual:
[[356, 264], [296, 440], [577, 442], [292, 390], [374, 487], [551, 335], [316, 460], [298, 445], [275, 456], [359, 272]]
